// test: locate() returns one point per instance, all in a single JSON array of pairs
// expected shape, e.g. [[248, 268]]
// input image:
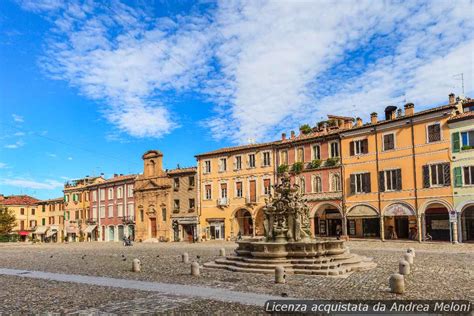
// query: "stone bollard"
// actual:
[[408, 257], [137, 265], [280, 276], [397, 283], [195, 268], [404, 267], [185, 257], [412, 251], [222, 252]]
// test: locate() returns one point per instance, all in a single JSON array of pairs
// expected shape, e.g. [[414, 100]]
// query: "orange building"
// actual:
[[397, 177]]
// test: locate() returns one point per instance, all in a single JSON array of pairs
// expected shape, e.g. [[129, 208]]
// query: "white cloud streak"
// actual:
[[17, 118], [16, 145]]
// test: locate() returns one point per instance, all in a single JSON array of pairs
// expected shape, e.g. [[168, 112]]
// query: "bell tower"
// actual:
[[152, 163]]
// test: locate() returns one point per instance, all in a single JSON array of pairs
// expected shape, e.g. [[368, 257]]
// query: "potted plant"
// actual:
[[282, 168], [305, 129], [332, 162], [316, 163], [297, 167]]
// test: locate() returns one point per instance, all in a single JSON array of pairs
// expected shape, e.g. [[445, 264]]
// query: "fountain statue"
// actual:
[[287, 242]]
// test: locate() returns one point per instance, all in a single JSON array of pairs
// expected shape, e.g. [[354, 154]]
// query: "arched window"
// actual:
[[336, 182], [151, 167], [302, 185], [317, 184]]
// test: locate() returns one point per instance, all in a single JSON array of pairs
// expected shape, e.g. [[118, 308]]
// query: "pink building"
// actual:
[[112, 209]]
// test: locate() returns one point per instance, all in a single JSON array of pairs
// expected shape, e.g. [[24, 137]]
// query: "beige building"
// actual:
[[233, 185], [153, 195], [50, 220], [26, 213]]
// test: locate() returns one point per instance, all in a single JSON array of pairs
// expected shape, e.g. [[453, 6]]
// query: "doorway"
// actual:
[[467, 224], [401, 227], [153, 227]]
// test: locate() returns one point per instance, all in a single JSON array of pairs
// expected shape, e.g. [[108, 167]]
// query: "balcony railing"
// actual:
[[223, 201]]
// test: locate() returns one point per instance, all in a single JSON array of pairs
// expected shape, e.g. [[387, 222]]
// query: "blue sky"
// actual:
[[86, 88]]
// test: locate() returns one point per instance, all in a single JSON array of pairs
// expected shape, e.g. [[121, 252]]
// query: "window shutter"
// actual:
[[447, 174], [353, 184], [426, 176], [365, 146], [351, 147], [456, 142], [367, 186], [382, 181], [457, 177], [399, 179]]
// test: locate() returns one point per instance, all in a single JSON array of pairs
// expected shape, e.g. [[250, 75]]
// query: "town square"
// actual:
[[236, 157]]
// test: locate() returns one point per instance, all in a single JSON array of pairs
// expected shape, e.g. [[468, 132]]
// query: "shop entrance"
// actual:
[[437, 224], [328, 223], [467, 224]]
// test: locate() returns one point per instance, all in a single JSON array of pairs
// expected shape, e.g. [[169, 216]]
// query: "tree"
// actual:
[[7, 221]]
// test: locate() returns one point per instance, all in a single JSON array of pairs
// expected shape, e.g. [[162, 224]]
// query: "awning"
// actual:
[[398, 210], [71, 230], [40, 230], [185, 220], [89, 229], [362, 211], [23, 233], [51, 232]]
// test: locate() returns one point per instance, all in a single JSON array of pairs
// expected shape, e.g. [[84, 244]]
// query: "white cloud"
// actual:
[[3, 165], [19, 134], [16, 145], [69, 158], [52, 155], [31, 184], [18, 118]]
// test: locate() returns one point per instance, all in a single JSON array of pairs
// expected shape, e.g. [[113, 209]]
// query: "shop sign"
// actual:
[[453, 217]]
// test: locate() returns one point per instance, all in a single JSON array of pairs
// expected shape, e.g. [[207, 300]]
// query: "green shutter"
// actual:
[[458, 177], [456, 142]]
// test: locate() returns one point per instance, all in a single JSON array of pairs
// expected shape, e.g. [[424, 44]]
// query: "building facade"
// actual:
[[397, 173], [462, 144], [153, 195], [112, 209], [184, 216], [50, 220], [25, 209], [233, 186], [77, 207]]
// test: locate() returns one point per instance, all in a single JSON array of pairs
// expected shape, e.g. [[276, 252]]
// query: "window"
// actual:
[[130, 211], [110, 193], [110, 210], [223, 190], [86, 196], [43, 221], [102, 194], [32, 211], [207, 166], [436, 175], [176, 184], [467, 140], [102, 211], [163, 214], [302, 185], [191, 181], [238, 189], [22, 211], [266, 159], [238, 163], [94, 195], [120, 210], [66, 198], [335, 182], [434, 132], [74, 197], [222, 164], [359, 147], [388, 142], [360, 183], [317, 184], [176, 205], [316, 152], [469, 175], [251, 160], [390, 180], [284, 157], [141, 215], [43, 208], [76, 215], [208, 192], [468, 108], [334, 146], [266, 186], [191, 203], [94, 212], [130, 190], [300, 155], [119, 192]]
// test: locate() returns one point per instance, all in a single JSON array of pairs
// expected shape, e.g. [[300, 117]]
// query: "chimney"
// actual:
[[399, 113], [283, 136], [358, 122], [292, 134], [348, 123], [115, 175], [325, 127], [409, 109], [373, 118], [452, 98], [390, 112]]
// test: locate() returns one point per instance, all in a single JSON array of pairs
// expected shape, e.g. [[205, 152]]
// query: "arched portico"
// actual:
[[435, 221], [400, 222], [258, 219], [363, 221], [467, 222], [327, 220], [243, 222]]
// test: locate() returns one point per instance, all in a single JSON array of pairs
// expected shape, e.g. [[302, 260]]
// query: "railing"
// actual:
[[222, 202]]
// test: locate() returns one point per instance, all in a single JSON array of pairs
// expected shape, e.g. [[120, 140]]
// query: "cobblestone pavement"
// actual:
[[441, 271]]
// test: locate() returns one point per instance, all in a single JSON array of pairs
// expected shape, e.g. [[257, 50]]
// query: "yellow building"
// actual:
[[233, 185], [26, 213], [77, 207], [397, 177], [50, 220]]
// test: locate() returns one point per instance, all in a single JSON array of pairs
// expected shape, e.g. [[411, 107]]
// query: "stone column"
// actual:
[[311, 225], [382, 229], [455, 230], [254, 226], [344, 225], [419, 227]]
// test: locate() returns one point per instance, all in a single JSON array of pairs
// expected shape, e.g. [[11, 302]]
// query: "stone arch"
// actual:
[[362, 204], [425, 206], [245, 221], [436, 224], [466, 222], [407, 205], [319, 208], [259, 218], [464, 205]]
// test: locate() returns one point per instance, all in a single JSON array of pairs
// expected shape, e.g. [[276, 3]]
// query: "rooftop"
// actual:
[[238, 148], [19, 200], [462, 116], [182, 170]]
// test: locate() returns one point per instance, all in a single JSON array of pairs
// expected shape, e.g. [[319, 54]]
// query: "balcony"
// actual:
[[128, 220], [222, 201]]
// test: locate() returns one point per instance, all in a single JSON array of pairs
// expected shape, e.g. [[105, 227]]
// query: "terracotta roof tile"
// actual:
[[19, 200], [237, 148], [462, 116], [182, 170]]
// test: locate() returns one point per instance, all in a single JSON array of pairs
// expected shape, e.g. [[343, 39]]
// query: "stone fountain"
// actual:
[[288, 242]]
